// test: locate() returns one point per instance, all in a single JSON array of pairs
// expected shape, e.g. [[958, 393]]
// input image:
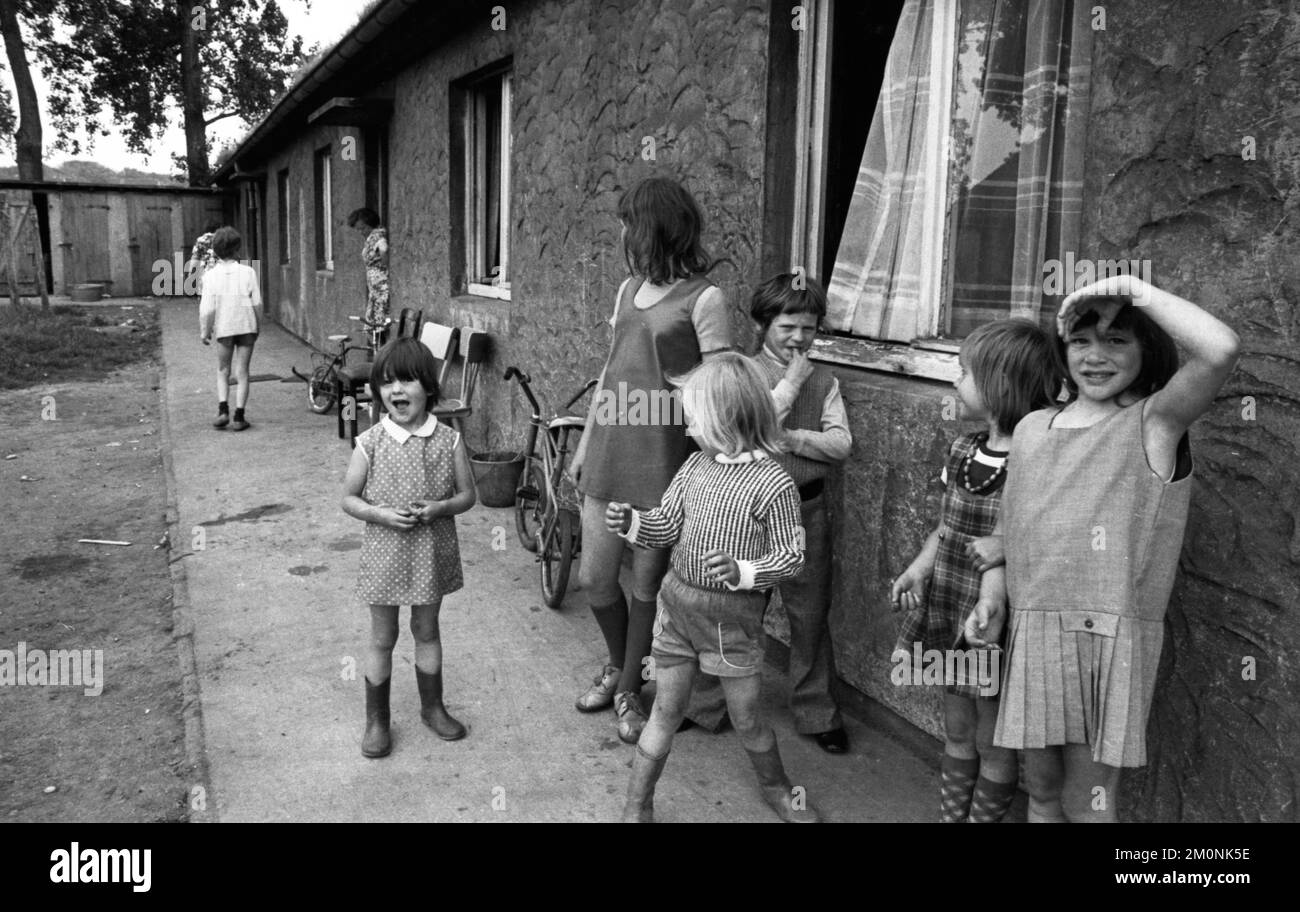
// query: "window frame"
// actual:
[[932, 356], [324, 210], [473, 166], [284, 229]]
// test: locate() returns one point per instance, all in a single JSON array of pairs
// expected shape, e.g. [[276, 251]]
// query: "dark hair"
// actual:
[[664, 224], [1159, 353], [367, 217], [406, 359], [226, 242], [211, 227], [779, 295], [1014, 368]]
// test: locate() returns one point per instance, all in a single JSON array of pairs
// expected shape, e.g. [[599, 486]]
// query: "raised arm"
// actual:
[[1210, 344], [660, 527]]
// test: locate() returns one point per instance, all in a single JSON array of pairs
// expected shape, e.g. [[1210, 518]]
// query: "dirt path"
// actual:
[[88, 465]]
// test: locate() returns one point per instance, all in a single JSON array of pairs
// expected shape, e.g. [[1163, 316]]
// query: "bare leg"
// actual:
[[383, 637], [242, 356], [225, 348], [1091, 789], [1044, 778]]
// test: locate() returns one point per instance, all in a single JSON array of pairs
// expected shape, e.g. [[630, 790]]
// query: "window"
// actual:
[[283, 213], [376, 154], [970, 178], [324, 212], [483, 108]]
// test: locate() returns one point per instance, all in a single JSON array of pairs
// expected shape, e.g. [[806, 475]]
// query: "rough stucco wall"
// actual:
[[1166, 181], [590, 80]]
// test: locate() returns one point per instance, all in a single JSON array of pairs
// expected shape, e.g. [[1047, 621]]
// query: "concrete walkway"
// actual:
[[277, 631]]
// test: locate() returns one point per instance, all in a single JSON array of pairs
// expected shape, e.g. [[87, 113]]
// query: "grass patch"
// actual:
[[73, 343]]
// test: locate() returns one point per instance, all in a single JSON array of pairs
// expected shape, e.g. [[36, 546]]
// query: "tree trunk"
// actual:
[[192, 94], [28, 141]]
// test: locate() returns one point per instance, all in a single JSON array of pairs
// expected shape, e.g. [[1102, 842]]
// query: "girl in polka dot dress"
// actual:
[[408, 478]]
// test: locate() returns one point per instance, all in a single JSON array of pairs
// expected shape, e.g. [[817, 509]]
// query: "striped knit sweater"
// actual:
[[747, 508]]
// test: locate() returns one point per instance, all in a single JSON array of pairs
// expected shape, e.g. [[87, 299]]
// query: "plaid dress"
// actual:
[[955, 587]]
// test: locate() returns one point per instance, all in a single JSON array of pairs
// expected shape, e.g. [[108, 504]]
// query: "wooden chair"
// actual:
[[354, 379], [475, 346]]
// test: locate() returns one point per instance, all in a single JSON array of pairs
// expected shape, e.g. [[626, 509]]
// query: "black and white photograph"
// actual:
[[651, 411]]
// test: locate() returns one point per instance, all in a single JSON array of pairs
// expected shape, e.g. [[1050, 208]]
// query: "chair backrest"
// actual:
[[440, 340], [475, 346]]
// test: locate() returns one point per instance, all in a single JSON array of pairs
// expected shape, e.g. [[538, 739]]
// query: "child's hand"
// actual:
[[985, 553], [908, 590], [399, 518], [721, 567], [618, 517], [799, 369], [205, 338], [983, 627], [426, 511], [1099, 296]]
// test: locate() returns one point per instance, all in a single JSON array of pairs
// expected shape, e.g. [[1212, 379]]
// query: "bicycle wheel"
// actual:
[[321, 390], [530, 505], [556, 557]]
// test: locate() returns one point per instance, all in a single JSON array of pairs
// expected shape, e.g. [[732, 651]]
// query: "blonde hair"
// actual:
[[729, 405]]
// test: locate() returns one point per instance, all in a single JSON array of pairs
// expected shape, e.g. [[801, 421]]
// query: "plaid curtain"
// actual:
[[1019, 122], [875, 287]]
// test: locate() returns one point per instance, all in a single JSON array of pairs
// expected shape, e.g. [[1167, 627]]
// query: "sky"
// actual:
[[325, 22]]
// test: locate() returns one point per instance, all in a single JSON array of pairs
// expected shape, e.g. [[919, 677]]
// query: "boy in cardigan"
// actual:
[[787, 310]]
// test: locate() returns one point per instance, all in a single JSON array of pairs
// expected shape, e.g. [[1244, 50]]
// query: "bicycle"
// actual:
[[323, 384], [547, 504]]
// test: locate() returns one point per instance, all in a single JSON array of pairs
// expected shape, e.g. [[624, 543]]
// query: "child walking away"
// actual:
[[1093, 515], [408, 478], [731, 517], [667, 317], [1008, 370], [787, 310], [231, 310]]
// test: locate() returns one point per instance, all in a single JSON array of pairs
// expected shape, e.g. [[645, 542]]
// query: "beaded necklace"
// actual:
[[991, 481]]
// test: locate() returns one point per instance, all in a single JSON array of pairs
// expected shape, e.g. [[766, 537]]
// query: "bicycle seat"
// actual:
[[338, 337], [560, 421]]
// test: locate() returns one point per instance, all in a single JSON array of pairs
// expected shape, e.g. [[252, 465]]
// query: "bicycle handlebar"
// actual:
[[582, 392], [366, 323]]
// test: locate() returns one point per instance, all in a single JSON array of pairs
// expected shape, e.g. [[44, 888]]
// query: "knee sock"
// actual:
[[958, 785], [640, 633], [991, 800], [612, 619]]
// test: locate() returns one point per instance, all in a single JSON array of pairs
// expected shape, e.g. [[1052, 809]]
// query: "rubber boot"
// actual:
[[432, 711], [376, 741], [777, 790], [640, 806]]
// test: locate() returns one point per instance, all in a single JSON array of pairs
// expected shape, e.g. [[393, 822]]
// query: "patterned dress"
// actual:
[[375, 255], [203, 256], [413, 566], [955, 587]]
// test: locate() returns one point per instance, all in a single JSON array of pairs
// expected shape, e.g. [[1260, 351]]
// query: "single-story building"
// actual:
[[939, 164]]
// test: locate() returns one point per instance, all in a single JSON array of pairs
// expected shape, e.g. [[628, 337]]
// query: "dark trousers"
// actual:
[[807, 600]]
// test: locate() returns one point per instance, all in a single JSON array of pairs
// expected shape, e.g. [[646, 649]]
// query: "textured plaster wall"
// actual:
[[1167, 181]]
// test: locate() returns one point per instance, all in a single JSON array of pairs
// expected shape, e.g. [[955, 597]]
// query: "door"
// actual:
[[151, 244]]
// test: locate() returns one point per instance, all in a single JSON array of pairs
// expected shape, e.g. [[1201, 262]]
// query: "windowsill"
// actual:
[[886, 357], [487, 291], [326, 272]]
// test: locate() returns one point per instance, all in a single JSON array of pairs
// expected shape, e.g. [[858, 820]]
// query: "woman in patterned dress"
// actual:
[[374, 254], [409, 476]]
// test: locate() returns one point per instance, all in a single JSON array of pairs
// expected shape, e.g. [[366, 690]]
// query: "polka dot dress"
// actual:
[[419, 565]]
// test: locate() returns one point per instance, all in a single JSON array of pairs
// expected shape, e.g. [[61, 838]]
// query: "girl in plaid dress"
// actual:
[[1007, 371]]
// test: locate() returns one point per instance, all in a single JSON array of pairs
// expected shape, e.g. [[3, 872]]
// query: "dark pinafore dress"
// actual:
[[955, 586], [630, 460]]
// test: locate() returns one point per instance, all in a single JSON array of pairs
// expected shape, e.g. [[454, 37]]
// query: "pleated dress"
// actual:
[[420, 565], [1092, 538]]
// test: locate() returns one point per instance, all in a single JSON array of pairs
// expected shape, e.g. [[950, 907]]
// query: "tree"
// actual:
[[29, 147], [125, 60]]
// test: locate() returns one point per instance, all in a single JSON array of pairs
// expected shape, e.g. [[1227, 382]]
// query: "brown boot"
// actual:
[[432, 711], [777, 790], [640, 806], [376, 741]]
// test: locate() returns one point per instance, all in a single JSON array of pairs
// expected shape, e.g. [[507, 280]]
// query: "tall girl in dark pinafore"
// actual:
[[667, 317]]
